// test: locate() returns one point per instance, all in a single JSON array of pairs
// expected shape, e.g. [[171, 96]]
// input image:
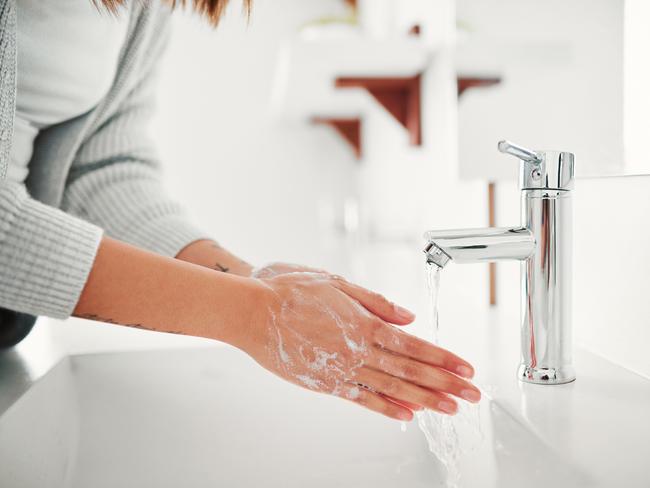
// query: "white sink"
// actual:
[[211, 417], [205, 417]]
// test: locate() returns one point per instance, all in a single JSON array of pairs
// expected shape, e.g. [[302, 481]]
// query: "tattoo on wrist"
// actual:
[[97, 318], [221, 268]]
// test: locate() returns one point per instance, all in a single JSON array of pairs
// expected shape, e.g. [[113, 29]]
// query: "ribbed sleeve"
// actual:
[[46, 255], [127, 200], [7, 81], [115, 180]]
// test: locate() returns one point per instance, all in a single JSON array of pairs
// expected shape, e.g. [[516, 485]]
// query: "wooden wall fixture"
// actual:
[[400, 96], [348, 128], [492, 223], [415, 30], [467, 82], [464, 84]]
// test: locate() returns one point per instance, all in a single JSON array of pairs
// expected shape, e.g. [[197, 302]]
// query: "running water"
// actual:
[[449, 437]]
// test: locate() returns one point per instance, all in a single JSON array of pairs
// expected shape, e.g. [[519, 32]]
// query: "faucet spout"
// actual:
[[478, 245]]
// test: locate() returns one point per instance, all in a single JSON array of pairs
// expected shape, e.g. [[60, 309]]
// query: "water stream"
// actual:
[[449, 437]]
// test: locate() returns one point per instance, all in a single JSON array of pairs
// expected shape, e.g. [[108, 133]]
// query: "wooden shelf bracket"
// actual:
[[467, 82], [348, 128], [400, 96]]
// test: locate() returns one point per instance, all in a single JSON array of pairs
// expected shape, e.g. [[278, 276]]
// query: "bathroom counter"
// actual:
[[211, 417], [172, 411], [598, 427]]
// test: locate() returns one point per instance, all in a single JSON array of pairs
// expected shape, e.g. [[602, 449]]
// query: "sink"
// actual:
[[212, 417], [205, 417]]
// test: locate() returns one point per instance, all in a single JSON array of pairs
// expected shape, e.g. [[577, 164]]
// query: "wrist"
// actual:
[[256, 302], [209, 254]]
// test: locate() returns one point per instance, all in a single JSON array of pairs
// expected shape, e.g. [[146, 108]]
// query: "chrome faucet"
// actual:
[[543, 244]]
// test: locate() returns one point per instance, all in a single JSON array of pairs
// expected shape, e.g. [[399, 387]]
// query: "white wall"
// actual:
[[637, 80], [562, 82], [612, 269], [611, 266]]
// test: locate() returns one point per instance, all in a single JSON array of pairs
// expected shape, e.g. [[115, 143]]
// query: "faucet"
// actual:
[[542, 243]]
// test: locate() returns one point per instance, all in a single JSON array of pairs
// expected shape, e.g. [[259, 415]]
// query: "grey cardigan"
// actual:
[[92, 174]]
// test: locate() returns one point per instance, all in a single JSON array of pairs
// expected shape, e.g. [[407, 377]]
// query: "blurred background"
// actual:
[[335, 132]]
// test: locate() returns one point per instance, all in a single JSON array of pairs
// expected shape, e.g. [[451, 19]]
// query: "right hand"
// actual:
[[275, 269], [328, 335]]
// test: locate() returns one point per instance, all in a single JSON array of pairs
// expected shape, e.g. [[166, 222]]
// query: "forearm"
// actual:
[[137, 288], [272, 319], [211, 255]]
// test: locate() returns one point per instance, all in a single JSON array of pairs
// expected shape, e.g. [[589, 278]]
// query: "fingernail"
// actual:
[[404, 313], [471, 395], [448, 407], [465, 371], [406, 416]]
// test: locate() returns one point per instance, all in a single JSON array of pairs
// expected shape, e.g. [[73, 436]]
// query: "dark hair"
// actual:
[[211, 9]]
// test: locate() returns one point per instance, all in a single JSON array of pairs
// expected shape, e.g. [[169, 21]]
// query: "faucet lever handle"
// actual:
[[522, 153]]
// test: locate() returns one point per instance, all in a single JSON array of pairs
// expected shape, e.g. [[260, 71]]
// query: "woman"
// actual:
[[86, 229]]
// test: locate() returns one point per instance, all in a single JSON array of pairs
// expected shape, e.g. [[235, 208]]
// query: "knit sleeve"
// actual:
[[45, 255], [115, 180]]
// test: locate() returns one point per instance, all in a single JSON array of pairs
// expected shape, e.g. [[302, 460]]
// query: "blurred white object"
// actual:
[[329, 31]]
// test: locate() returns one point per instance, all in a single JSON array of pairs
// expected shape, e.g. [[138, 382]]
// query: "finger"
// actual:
[[399, 342], [409, 405], [376, 303], [404, 391], [424, 375], [377, 403]]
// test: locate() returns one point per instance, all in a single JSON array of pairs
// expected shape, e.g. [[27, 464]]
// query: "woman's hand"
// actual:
[[313, 329], [275, 269], [210, 254], [328, 335]]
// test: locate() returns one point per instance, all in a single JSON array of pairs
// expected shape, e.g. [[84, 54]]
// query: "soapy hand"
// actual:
[[275, 269], [328, 335]]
